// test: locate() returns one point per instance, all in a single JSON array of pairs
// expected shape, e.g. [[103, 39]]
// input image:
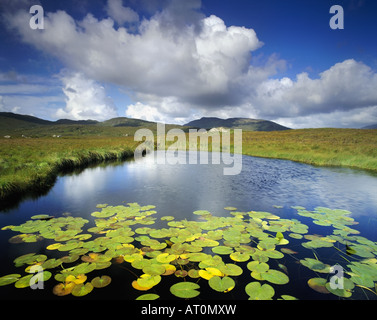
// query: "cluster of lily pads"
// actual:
[[209, 251]]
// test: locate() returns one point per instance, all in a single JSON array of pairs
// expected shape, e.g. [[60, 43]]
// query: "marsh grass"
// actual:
[[32, 165], [354, 148]]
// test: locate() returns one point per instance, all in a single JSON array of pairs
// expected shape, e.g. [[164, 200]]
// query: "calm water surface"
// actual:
[[179, 190]]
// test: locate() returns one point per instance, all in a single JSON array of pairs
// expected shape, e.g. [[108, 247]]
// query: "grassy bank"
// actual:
[[33, 164], [325, 147]]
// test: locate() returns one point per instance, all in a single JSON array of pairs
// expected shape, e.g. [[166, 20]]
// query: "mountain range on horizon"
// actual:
[[239, 123], [18, 124], [13, 122]]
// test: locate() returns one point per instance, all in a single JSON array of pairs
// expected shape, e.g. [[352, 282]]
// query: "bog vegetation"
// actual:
[[208, 253], [32, 164]]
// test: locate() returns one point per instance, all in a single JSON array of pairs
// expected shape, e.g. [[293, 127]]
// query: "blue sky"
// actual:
[[178, 60]]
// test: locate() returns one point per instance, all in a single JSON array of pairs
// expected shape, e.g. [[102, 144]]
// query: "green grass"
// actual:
[[324, 147], [28, 165], [33, 164]]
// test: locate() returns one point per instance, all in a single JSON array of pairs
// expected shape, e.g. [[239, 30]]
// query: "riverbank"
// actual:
[[354, 148], [32, 165]]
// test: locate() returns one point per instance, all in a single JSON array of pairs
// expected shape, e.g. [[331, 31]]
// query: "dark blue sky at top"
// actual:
[[295, 30], [299, 31]]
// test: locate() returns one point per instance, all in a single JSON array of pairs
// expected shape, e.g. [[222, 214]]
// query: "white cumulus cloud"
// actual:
[[119, 13], [85, 99]]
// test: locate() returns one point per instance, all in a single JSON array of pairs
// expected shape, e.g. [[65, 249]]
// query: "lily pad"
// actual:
[[82, 289], [154, 269], [201, 212], [148, 281], [85, 267], [231, 269], [148, 296], [197, 256], [256, 291], [288, 251], [101, 282], [318, 284], [209, 272], [219, 284], [315, 265], [63, 289], [81, 278], [222, 250], [275, 276], [167, 218], [8, 279], [185, 290], [29, 258], [41, 217], [239, 257], [344, 292], [258, 266], [51, 263], [166, 257], [27, 280], [193, 273]]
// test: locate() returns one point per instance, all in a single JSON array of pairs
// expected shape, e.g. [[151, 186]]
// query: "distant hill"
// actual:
[[68, 121], [17, 125], [125, 122], [372, 126], [240, 123]]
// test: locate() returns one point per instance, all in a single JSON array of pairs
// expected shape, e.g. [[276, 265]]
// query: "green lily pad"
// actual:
[[256, 291], [318, 284], [51, 263], [274, 254], [230, 208], [201, 212], [197, 256], [154, 269], [69, 246], [275, 276], [363, 274], [167, 218], [230, 269], [318, 243], [29, 258], [222, 250], [101, 282], [148, 296], [69, 259], [239, 257], [193, 273], [344, 292], [221, 284], [258, 266], [8, 279], [185, 290], [315, 265], [41, 217], [85, 267], [166, 257], [27, 280], [148, 281], [82, 289], [288, 251], [104, 213]]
